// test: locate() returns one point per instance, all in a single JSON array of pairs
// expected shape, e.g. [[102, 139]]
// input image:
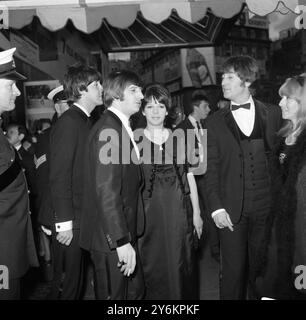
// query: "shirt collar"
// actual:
[[82, 108], [124, 119], [192, 120], [18, 147]]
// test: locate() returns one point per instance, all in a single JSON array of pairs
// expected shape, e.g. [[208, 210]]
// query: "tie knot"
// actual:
[[243, 106]]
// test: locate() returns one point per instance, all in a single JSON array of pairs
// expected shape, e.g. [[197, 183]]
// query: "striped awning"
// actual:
[[172, 32], [88, 15]]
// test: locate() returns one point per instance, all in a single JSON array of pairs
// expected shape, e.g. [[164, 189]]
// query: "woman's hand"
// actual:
[[198, 223]]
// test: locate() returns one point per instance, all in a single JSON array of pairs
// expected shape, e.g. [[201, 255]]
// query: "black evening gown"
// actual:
[[166, 247]]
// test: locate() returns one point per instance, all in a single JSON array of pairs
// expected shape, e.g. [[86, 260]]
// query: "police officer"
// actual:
[[17, 249]]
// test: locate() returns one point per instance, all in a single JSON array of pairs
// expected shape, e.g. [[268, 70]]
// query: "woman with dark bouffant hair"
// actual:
[[286, 238], [172, 212]]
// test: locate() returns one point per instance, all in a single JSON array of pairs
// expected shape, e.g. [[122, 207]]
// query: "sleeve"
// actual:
[[211, 178], [108, 185], [63, 145]]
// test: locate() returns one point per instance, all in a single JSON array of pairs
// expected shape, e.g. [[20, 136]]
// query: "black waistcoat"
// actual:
[[255, 166]]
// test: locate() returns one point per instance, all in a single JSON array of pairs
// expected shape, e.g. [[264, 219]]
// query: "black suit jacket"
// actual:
[[224, 176], [17, 247], [27, 162], [42, 164], [112, 205], [67, 144]]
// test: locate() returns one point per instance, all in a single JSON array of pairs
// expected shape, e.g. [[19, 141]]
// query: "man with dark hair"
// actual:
[[112, 206], [237, 182], [67, 143], [17, 248]]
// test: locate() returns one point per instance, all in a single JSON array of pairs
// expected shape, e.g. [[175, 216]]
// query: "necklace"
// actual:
[[157, 136]]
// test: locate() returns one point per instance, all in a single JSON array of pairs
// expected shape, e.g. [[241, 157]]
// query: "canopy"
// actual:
[[88, 15]]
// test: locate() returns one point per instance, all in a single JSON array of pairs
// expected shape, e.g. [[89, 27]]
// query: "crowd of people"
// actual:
[[134, 193]]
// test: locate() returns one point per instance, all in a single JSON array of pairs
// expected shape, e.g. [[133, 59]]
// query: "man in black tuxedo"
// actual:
[[237, 182], [113, 215], [67, 144]]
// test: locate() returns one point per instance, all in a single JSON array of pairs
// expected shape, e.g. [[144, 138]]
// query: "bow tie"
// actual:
[[244, 106]]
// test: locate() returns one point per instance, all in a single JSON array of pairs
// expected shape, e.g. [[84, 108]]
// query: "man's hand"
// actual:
[[223, 220], [65, 237], [127, 259]]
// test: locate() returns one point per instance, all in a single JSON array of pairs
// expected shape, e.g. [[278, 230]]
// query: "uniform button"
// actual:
[[12, 160], [251, 158], [252, 171], [240, 155], [240, 175], [252, 165], [250, 153], [254, 184], [29, 191], [23, 170]]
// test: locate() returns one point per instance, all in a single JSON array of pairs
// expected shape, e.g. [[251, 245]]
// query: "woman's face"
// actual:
[[290, 108], [155, 113]]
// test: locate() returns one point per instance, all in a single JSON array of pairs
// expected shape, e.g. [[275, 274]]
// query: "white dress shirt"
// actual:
[[126, 123], [245, 118]]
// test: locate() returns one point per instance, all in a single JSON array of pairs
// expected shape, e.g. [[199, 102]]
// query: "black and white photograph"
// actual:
[[153, 151]]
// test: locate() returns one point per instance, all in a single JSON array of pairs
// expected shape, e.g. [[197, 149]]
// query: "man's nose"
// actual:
[[16, 90]]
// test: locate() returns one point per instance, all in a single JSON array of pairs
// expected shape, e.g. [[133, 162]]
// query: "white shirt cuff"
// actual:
[[63, 226], [216, 212]]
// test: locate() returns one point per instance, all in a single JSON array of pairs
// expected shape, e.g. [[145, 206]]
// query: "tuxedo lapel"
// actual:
[[231, 123]]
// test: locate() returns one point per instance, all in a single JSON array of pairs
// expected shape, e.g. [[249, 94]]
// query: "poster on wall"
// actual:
[[37, 105], [198, 67]]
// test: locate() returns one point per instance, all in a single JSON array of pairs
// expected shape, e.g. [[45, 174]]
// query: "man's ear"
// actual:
[[247, 84], [21, 136], [57, 108]]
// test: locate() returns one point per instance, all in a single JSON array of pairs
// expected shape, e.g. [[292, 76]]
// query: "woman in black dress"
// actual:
[[172, 213]]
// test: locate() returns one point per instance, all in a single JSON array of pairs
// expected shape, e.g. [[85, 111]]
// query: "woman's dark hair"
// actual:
[[156, 92]]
